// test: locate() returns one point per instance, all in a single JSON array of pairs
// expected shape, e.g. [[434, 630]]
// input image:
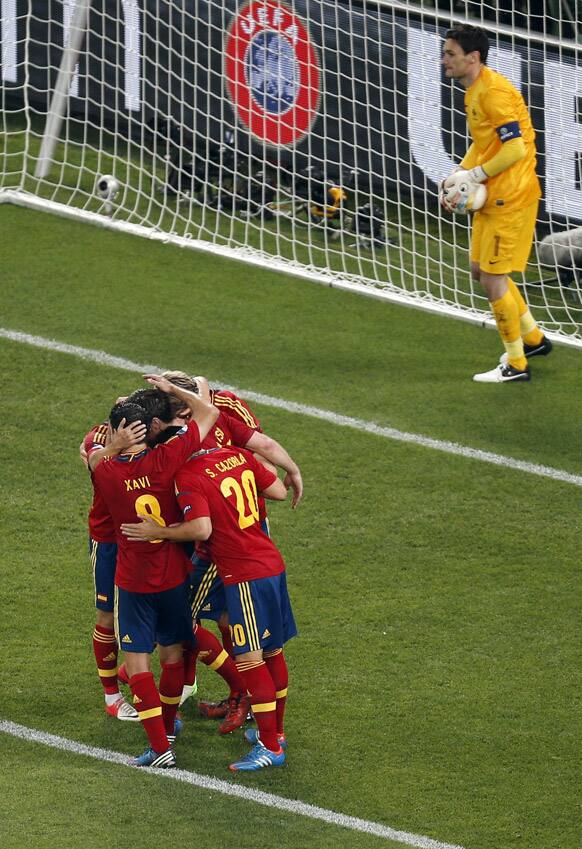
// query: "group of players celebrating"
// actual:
[[178, 533]]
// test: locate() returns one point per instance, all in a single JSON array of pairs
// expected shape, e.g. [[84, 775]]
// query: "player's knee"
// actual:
[[104, 618], [249, 657], [171, 654]]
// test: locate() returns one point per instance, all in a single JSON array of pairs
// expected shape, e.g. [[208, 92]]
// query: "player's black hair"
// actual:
[[131, 413], [156, 403], [470, 38]]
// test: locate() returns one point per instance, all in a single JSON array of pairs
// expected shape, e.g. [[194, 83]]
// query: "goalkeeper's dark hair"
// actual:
[[131, 413], [470, 38]]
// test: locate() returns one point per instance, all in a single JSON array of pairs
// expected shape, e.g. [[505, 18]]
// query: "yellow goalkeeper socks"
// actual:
[[506, 314], [530, 332]]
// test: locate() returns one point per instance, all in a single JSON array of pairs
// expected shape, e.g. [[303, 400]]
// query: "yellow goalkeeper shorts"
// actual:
[[501, 241]]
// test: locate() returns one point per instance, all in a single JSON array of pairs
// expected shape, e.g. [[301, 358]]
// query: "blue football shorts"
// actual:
[[206, 591], [103, 560], [260, 614], [144, 619]]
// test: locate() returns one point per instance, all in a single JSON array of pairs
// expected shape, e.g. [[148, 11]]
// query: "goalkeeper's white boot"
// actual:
[[502, 374], [541, 350]]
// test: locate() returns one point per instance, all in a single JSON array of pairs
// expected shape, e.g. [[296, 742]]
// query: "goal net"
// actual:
[[307, 136]]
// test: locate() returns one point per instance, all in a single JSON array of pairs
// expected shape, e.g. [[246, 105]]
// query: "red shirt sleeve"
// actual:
[[240, 433], [228, 402], [95, 438], [191, 498]]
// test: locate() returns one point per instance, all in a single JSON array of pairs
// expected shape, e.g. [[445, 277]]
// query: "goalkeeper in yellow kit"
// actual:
[[503, 154]]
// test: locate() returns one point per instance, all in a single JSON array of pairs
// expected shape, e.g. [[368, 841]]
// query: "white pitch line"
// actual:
[[105, 359], [206, 782]]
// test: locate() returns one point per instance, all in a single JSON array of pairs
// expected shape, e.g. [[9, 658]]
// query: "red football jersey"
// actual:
[[231, 428], [234, 406], [223, 484], [101, 527], [227, 430], [134, 485]]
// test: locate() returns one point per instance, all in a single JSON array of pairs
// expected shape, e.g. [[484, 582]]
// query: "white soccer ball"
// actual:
[[107, 187], [462, 195]]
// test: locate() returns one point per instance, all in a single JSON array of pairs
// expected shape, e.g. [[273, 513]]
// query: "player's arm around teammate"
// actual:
[[118, 440], [276, 454], [199, 529]]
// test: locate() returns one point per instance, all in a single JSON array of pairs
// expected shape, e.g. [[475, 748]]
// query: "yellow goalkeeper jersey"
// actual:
[[496, 113]]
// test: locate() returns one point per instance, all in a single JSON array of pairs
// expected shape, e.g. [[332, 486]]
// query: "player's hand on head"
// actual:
[[203, 387], [146, 530], [126, 436], [160, 382], [294, 482]]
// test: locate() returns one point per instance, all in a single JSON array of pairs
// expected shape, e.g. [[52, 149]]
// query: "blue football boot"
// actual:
[[258, 758]]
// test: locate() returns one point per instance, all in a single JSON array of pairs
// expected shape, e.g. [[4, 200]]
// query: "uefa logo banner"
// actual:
[[272, 72]]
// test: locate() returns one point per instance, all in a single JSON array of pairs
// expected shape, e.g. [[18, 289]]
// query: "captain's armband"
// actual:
[[509, 131]]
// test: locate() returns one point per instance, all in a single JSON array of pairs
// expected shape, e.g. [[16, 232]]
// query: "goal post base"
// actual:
[[252, 257]]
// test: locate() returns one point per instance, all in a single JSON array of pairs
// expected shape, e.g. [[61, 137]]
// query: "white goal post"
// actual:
[[307, 136]]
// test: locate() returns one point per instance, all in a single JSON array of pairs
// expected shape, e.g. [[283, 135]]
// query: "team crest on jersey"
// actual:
[[272, 72]]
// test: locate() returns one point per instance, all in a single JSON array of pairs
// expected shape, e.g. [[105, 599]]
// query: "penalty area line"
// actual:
[[454, 448], [205, 782]]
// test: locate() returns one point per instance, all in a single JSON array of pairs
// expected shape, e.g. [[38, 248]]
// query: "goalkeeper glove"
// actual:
[[461, 191]]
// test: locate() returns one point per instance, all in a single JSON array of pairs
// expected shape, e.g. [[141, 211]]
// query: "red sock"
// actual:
[[105, 649], [171, 684], [213, 655], [146, 701], [262, 692], [190, 656], [226, 639], [277, 666]]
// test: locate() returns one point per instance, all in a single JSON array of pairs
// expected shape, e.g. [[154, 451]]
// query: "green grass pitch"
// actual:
[[435, 685]]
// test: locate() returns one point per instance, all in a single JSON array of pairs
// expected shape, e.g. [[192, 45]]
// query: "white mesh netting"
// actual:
[[307, 136]]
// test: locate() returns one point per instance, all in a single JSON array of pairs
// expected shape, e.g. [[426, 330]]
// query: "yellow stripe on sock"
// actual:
[[147, 714], [264, 708], [216, 664], [170, 700], [107, 673], [280, 694]]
